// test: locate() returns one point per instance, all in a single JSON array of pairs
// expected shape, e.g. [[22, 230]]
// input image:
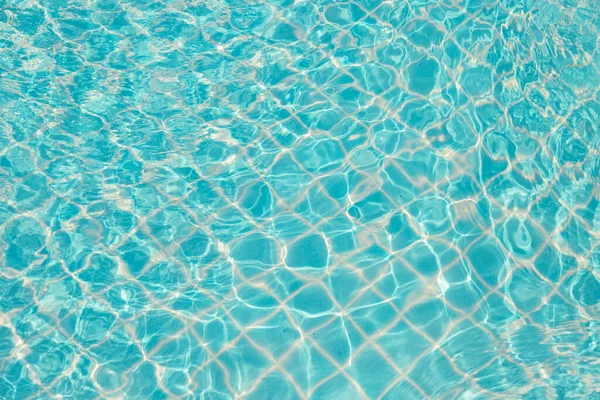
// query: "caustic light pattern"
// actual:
[[292, 199]]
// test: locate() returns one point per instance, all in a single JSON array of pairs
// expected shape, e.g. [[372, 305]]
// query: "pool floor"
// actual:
[[292, 199]]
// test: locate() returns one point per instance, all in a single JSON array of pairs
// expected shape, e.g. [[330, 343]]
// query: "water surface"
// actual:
[[299, 199]]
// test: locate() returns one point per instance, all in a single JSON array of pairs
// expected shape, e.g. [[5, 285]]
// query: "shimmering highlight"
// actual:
[[299, 199]]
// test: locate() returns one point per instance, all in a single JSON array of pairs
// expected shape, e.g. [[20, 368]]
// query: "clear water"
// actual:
[[299, 199]]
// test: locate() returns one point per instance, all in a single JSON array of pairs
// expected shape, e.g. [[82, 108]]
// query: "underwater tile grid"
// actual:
[[286, 199]]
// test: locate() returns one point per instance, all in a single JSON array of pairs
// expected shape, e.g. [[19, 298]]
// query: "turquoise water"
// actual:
[[299, 199]]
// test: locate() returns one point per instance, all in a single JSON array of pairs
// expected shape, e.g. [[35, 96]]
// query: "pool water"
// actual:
[[290, 199]]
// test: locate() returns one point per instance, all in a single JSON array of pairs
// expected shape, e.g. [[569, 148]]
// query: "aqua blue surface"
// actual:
[[293, 199]]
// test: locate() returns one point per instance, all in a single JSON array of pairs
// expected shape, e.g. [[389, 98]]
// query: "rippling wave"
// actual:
[[293, 199]]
